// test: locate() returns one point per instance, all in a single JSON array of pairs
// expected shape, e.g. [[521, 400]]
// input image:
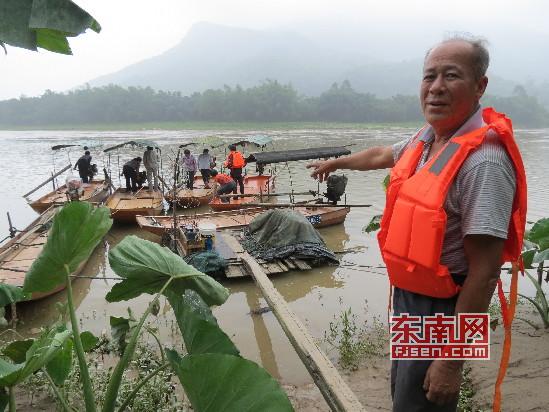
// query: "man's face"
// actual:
[[449, 90]]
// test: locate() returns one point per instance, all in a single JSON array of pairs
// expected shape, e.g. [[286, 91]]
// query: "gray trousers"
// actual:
[[152, 179], [407, 376]]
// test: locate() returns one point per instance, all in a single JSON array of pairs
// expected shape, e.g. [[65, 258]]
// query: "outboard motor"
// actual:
[[335, 187]]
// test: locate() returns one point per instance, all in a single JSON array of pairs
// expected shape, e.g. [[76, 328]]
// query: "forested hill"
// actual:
[[269, 102]]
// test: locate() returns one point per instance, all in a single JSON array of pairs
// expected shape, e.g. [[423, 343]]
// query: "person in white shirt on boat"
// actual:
[[189, 167], [204, 165], [150, 161]]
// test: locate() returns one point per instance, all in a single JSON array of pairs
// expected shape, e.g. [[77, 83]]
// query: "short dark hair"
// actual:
[[138, 159], [213, 172], [232, 147], [186, 151], [481, 56], [87, 152], [205, 151], [150, 147]]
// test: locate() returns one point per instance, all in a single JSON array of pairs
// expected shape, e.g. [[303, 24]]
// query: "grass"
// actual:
[[466, 393], [353, 342], [162, 393], [215, 126]]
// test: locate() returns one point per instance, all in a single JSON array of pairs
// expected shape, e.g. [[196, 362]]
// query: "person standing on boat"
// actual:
[[455, 211], [150, 161], [189, 166], [204, 164], [84, 166], [223, 184], [235, 163], [130, 171]]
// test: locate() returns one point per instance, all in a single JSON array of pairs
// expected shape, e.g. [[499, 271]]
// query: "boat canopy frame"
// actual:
[[133, 143], [282, 156]]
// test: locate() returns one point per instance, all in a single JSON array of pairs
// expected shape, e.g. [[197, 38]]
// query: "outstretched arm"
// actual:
[[380, 157]]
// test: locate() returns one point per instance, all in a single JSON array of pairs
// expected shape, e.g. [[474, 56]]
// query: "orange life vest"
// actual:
[[237, 160], [414, 221]]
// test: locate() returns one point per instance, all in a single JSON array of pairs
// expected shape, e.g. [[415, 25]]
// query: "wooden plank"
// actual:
[[290, 264], [335, 390], [301, 264], [282, 265]]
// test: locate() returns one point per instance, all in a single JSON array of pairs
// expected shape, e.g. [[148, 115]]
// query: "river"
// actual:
[[316, 296]]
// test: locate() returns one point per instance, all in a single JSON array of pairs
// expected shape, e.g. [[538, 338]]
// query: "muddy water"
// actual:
[[316, 296]]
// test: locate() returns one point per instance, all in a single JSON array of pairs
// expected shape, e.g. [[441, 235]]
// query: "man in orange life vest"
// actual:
[[455, 210], [235, 163]]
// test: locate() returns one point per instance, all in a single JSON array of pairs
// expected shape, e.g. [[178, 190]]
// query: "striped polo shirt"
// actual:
[[480, 199]]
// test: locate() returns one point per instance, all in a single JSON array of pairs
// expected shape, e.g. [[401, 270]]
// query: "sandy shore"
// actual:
[[524, 388]]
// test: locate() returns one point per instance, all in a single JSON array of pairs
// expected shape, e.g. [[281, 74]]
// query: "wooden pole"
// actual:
[[282, 205], [48, 180], [335, 390], [267, 194]]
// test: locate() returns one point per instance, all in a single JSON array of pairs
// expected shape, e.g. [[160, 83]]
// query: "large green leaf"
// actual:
[[43, 350], [63, 16], [198, 326], [14, 23], [77, 229], [216, 382], [10, 294], [527, 257], [147, 266], [120, 331], [60, 366], [53, 41], [539, 234]]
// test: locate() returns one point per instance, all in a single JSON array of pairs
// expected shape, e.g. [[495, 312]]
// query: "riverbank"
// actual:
[[214, 126], [522, 389]]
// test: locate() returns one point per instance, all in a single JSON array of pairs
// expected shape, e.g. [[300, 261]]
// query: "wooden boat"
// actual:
[[95, 191], [252, 185], [190, 198], [17, 255], [125, 206], [233, 219]]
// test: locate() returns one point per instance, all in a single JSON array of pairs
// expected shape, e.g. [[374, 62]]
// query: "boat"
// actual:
[[234, 219], [18, 254], [125, 206], [257, 185], [94, 192], [190, 198]]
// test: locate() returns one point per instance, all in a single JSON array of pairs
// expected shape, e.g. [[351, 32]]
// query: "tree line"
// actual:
[[268, 102]]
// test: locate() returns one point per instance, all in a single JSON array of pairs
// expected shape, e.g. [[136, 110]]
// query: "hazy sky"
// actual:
[[136, 29]]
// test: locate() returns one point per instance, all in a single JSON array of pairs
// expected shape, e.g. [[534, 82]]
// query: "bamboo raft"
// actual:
[[125, 206], [95, 191], [234, 219], [17, 255], [257, 185]]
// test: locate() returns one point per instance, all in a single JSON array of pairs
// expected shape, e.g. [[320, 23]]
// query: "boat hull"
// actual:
[[96, 191], [126, 206]]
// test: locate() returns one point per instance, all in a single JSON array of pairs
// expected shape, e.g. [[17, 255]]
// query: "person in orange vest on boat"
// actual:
[[455, 211], [224, 184], [235, 163]]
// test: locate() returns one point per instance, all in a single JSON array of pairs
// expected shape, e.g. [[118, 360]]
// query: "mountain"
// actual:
[[211, 56]]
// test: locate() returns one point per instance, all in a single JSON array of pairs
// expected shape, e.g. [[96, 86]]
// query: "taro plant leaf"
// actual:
[[43, 23], [43, 350], [147, 266], [385, 182], [541, 256], [539, 302], [77, 229], [539, 234], [17, 350], [60, 366], [527, 257], [89, 341], [198, 326], [10, 294], [231, 384], [373, 225]]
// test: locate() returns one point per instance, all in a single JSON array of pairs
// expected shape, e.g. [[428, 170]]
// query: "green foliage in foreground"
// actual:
[[30, 24], [212, 373]]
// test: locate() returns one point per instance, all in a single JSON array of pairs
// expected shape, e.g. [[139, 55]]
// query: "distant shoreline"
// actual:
[[214, 126]]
